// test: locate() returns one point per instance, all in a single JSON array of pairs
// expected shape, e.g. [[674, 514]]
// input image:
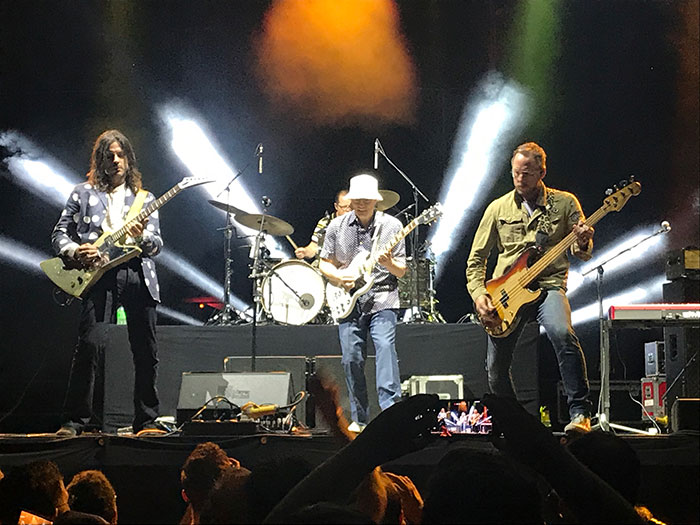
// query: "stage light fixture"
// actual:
[[485, 126], [652, 246], [649, 290], [21, 256], [196, 151]]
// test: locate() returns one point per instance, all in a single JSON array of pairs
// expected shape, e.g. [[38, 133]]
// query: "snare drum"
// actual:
[[293, 292]]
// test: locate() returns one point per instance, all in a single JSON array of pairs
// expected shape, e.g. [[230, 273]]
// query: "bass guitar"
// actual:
[[76, 279], [340, 301], [509, 293]]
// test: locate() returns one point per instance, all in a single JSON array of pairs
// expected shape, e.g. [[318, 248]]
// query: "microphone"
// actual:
[[666, 226], [376, 153], [259, 154]]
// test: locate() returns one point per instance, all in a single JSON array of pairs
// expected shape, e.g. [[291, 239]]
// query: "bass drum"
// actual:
[[293, 292]]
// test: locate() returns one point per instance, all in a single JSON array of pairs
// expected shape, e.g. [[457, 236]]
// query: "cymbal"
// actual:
[[272, 225], [391, 198], [227, 207]]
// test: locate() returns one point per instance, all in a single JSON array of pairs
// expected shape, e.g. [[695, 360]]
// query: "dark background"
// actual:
[[622, 99]]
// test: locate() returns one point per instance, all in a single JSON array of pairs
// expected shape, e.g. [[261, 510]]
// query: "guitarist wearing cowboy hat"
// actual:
[[347, 236], [533, 214]]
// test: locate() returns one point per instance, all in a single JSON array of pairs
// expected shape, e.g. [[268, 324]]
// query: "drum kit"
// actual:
[[291, 291]]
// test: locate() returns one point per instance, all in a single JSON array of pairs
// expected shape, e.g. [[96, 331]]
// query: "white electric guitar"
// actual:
[[340, 301], [75, 279]]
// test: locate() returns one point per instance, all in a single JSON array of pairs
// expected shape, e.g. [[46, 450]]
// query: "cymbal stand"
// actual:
[[416, 309], [228, 315], [257, 274]]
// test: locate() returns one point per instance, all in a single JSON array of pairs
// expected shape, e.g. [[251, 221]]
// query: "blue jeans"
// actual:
[[381, 326], [554, 314]]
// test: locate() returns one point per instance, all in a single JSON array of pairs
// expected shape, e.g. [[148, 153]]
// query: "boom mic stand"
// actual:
[[416, 309], [603, 415]]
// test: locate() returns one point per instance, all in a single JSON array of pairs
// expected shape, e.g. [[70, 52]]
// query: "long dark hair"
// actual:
[[100, 161]]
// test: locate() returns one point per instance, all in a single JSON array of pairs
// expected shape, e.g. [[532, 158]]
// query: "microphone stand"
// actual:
[[416, 310], [603, 415]]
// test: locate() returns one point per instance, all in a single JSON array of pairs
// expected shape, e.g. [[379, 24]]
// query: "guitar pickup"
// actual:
[[504, 298]]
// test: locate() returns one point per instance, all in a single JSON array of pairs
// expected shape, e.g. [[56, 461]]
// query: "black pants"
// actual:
[[123, 285]]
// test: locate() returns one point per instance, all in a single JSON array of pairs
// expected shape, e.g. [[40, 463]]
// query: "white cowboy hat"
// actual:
[[364, 187]]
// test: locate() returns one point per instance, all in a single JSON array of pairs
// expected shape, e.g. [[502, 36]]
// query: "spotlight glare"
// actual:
[[496, 116], [192, 146], [20, 255], [651, 246], [650, 289], [178, 316], [191, 274]]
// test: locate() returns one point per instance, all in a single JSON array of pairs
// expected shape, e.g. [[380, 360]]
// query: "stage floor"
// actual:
[[146, 470]]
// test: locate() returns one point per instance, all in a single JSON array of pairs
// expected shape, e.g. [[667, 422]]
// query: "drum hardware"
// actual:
[[390, 199], [265, 223], [292, 292], [228, 315]]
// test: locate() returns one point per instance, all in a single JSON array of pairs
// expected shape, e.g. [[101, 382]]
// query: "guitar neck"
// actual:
[[372, 261], [558, 249], [148, 210]]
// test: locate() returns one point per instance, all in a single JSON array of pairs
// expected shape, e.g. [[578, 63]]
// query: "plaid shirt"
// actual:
[[346, 237]]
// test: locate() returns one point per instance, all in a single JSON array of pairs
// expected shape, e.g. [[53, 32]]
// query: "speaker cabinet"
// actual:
[[296, 365], [330, 366], [197, 388]]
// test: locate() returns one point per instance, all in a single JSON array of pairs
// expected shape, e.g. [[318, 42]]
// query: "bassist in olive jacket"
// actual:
[[533, 213], [99, 205]]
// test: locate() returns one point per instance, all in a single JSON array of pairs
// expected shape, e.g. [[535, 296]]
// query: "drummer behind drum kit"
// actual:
[[291, 292]]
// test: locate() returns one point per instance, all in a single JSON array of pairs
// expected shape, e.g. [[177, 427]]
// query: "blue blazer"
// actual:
[[81, 221]]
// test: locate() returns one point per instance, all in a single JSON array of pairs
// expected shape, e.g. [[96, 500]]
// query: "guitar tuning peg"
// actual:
[[631, 179], [609, 192], [615, 187], [623, 183]]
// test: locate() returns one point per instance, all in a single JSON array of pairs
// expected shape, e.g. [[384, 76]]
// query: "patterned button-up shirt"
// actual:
[[346, 237]]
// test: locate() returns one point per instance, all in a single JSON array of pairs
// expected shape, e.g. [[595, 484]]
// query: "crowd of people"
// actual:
[[529, 476]]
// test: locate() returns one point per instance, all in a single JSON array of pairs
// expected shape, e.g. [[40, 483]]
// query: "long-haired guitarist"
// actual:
[[102, 204], [347, 237], [533, 214]]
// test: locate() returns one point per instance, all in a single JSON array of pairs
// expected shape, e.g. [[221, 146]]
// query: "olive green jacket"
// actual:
[[507, 227]]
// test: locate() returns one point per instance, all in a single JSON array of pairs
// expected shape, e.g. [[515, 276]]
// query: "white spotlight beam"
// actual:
[[496, 116], [648, 290], [178, 316], [191, 274], [196, 151], [46, 178], [652, 246], [19, 255]]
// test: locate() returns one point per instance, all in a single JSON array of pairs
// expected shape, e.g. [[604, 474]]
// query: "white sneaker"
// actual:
[[356, 427], [580, 424]]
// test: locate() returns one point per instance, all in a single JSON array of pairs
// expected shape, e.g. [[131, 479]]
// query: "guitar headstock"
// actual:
[[431, 214], [189, 182], [615, 201]]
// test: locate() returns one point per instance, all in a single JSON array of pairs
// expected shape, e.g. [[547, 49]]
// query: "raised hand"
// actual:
[[402, 428]]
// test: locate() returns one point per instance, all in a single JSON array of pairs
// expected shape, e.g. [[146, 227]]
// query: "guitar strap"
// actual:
[[137, 205]]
